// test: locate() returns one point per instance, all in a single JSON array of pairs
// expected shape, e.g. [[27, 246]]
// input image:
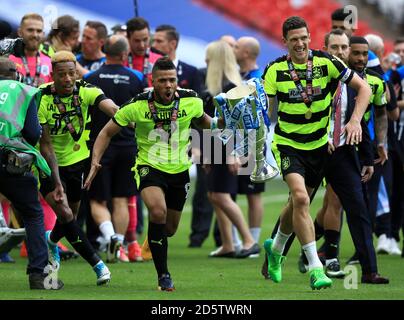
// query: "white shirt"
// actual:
[[344, 107]]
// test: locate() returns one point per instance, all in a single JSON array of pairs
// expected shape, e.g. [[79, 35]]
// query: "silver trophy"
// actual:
[[12, 46], [243, 107]]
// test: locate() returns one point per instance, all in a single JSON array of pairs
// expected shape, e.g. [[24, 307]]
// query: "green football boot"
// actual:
[[275, 261], [318, 279]]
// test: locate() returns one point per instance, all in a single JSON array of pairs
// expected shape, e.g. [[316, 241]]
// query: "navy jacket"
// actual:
[[365, 148], [120, 84], [189, 77]]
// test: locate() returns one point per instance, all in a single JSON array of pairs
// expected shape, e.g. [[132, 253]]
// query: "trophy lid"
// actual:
[[240, 92]]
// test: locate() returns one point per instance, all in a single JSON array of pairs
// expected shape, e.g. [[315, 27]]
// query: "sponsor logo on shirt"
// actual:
[[295, 94], [116, 78]]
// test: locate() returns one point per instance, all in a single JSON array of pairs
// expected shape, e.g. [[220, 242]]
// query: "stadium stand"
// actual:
[[267, 16]]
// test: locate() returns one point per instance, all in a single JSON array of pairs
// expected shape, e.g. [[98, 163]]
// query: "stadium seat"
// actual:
[[267, 16]]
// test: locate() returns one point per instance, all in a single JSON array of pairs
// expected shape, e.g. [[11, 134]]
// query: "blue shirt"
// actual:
[[373, 60], [189, 77], [399, 71], [91, 65], [256, 73]]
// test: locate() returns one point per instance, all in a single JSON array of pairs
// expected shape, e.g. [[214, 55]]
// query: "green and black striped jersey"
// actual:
[[293, 128], [378, 97], [49, 113]]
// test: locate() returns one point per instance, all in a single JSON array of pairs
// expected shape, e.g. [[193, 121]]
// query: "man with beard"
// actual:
[[162, 120], [343, 175], [34, 65]]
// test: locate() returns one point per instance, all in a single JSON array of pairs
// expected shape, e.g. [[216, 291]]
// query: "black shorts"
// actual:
[[221, 180], [174, 185], [72, 180], [309, 164], [246, 186], [115, 178]]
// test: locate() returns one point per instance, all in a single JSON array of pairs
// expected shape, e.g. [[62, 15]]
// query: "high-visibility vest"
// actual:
[[15, 98]]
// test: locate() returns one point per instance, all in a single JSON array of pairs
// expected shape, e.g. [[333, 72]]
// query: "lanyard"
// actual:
[[66, 116], [28, 79], [173, 118], [305, 94], [338, 96], [146, 69]]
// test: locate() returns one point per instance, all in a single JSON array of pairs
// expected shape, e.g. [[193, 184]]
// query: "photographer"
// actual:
[[19, 132]]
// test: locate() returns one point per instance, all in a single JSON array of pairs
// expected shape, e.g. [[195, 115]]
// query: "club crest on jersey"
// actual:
[[317, 73], [285, 163], [144, 171]]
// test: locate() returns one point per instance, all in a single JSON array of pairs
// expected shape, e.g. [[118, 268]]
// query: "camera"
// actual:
[[12, 46]]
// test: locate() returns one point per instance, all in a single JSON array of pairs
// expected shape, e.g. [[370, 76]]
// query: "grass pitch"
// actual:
[[198, 277]]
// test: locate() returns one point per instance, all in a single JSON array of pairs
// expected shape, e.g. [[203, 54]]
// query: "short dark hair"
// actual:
[[293, 23], [163, 63], [337, 32], [339, 14], [136, 24], [63, 27], [358, 40], [115, 49], [7, 68], [398, 41], [101, 29], [170, 30]]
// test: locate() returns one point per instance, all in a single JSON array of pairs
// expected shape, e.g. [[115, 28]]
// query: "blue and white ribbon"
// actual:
[[262, 98], [232, 120], [242, 115]]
